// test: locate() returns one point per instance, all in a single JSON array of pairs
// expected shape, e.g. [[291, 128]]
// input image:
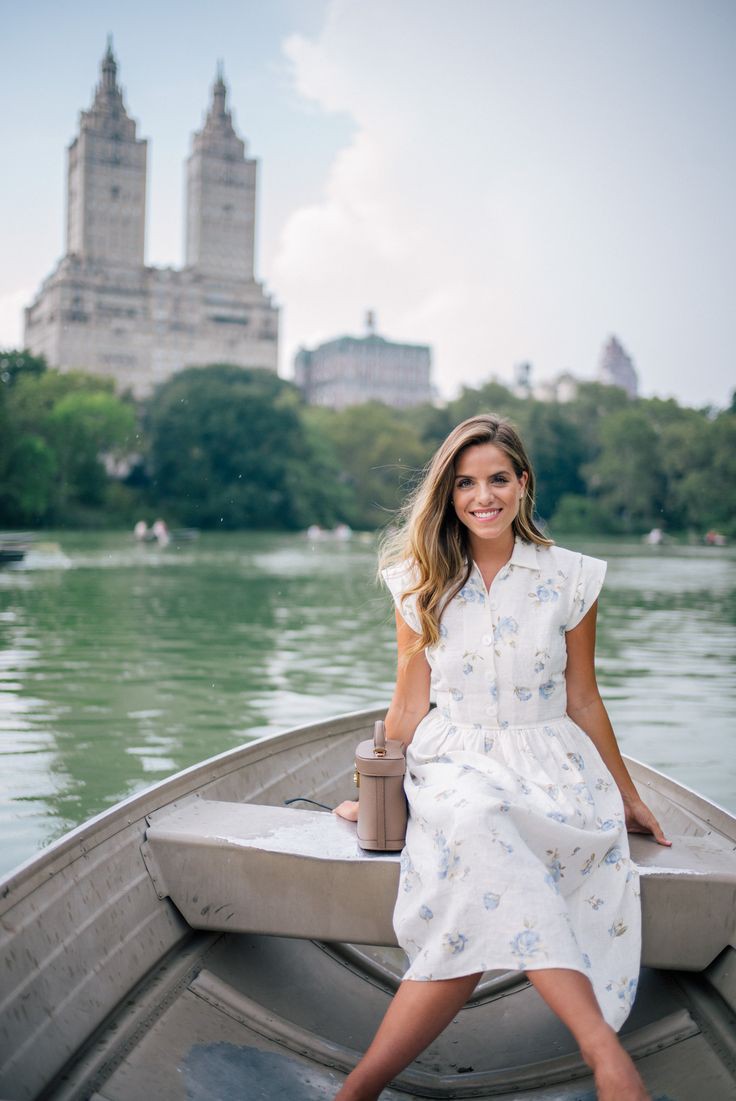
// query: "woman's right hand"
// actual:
[[347, 810]]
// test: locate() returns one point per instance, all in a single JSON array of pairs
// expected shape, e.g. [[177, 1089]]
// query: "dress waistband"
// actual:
[[499, 728]]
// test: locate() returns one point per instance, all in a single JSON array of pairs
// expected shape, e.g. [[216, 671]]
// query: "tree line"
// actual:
[[231, 448]]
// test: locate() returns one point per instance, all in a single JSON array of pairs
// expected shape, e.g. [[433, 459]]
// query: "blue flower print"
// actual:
[[505, 806], [456, 694], [505, 629], [456, 943], [595, 902], [508, 849], [549, 731], [522, 694], [547, 592], [613, 856], [625, 989], [526, 944], [555, 867], [425, 913], [586, 960], [618, 928], [601, 784], [541, 658], [469, 660], [443, 631], [491, 900], [547, 689], [577, 760], [582, 788], [489, 741], [607, 823], [471, 593], [493, 690], [557, 815], [588, 865], [448, 861], [524, 787], [408, 872]]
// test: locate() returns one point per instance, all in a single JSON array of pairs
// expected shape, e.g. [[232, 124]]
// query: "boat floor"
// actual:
[[257, 1018]]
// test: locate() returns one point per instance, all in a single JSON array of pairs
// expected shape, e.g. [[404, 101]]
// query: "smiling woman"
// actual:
[[514, 781]]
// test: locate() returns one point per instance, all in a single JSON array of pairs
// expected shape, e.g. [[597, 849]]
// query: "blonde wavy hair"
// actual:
[[430, 535]]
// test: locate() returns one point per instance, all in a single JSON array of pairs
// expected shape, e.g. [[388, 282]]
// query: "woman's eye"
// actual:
[[463, 483]]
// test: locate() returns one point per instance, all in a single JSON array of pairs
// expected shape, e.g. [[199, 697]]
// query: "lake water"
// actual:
[[120, 664]]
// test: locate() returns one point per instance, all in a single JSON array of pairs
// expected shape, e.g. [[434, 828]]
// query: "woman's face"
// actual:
[[486, 492]]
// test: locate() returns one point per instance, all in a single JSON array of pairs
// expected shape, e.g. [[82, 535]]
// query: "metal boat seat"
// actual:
[[250, 868]]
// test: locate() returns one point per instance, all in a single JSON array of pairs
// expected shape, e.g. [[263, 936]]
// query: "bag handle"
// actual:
[[379, 738]]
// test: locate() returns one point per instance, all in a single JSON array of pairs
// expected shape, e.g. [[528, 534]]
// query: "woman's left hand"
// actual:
[[639, 819]]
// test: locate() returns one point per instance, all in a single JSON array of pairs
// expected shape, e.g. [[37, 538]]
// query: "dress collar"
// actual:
[[524, 554]]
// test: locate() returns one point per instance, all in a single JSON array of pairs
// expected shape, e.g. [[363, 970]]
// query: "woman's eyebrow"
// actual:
[[494, 475]]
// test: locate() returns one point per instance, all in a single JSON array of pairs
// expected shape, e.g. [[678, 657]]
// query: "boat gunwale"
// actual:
[[94, 831], [80, 840]]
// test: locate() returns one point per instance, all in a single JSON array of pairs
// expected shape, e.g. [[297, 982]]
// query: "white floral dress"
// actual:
[[517, 855]]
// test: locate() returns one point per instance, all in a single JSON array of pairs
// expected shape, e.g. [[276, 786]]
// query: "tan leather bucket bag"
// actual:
[[379, 773]]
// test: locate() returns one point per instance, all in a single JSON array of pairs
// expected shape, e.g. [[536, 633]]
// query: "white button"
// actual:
[[487, 640]]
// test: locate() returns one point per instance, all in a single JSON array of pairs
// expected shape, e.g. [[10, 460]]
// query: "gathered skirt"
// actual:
[[517, 857]]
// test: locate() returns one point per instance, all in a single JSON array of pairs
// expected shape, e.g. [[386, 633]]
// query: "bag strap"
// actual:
[[379, 738]]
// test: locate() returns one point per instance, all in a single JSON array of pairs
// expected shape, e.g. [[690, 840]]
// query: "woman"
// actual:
[[516, 851]]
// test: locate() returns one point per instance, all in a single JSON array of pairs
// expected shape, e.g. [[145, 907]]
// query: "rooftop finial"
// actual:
[[219, 92], [109, 68]]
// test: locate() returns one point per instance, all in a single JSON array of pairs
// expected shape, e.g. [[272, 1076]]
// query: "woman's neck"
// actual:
[[490, 555]]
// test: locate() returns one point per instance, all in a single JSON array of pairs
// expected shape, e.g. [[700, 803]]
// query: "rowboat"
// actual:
[[204, 941]]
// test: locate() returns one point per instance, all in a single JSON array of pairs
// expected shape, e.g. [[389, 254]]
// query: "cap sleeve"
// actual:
[[398, 579], [591, 572]]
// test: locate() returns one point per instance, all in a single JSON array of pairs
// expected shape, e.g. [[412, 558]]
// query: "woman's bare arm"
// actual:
[[409, 703], [586, 708]]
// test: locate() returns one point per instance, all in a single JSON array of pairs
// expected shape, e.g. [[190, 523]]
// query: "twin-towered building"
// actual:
[[102, 309]]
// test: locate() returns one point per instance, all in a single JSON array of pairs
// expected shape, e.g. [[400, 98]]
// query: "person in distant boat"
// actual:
[[517, 855]]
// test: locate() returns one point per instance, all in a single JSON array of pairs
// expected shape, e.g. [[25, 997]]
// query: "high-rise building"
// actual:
[[102, 309], [350, 370], [616, 367]]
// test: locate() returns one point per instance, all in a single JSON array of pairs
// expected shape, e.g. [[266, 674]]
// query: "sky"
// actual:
[[504, 180]]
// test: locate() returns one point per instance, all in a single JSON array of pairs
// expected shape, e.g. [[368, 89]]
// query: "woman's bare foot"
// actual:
[[348, 810], [616, 1077]]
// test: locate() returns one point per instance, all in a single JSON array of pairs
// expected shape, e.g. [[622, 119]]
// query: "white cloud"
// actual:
[[503, 196]]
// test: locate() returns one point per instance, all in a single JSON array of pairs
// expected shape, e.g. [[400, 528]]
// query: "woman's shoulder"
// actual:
[[565, 559]]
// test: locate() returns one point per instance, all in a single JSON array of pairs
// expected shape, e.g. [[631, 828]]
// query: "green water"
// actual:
[[120, 664]]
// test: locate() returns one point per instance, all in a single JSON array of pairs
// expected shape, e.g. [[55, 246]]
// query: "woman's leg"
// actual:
[[417, 1014], [570, 995], [421, 1010]]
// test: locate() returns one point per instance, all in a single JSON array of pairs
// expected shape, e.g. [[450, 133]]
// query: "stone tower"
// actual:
[[221, 195], [616, 367], [106, 182], [102, 309]]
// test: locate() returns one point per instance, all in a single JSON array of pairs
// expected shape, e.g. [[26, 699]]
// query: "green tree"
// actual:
[[83, 427], [626, 478], [380, 456], [227, 447], [54, 432]]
